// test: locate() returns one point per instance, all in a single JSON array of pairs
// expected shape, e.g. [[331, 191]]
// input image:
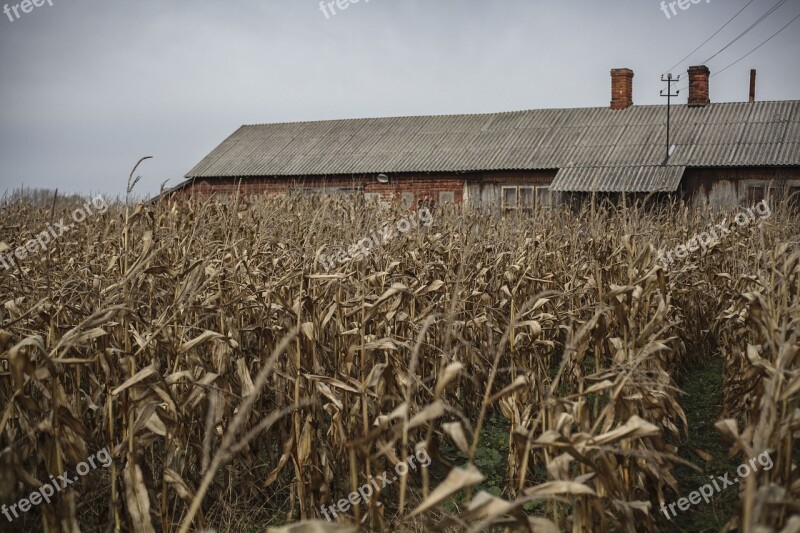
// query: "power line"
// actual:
[[753, 50], [714, 35], [757, 47], [745, 32]]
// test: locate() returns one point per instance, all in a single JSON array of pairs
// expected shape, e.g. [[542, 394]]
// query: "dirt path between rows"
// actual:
[[701, 403]]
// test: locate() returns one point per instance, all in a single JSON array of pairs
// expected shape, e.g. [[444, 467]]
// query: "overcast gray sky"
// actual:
[[89, 86]]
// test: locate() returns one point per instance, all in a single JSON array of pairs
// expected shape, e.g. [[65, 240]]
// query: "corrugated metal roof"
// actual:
[[618, 179], [724, 134]]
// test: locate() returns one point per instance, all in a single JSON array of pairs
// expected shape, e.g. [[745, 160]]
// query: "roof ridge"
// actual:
[[492, 113]]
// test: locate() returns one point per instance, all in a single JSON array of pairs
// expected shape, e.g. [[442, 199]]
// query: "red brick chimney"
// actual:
[[698, 86], [621, 88], [752, 86]]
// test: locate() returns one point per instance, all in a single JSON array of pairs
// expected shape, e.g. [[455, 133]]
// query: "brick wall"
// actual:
[[621, 88], [423, 186], [698, 86], [480, 189]]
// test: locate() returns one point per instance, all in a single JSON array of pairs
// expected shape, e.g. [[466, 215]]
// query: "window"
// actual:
[[447, 197], [542, 197], [524, 198], [794, 197], [526, 202], [509, 199], [775, 194], [755, 193]]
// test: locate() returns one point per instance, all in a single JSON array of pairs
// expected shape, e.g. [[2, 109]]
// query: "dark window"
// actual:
[[526, 200], [526, 197], [794, 197], [775, 194], [755, 193], [509, 199]]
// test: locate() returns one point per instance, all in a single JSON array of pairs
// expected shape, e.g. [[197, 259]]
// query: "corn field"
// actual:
[[239, 386]]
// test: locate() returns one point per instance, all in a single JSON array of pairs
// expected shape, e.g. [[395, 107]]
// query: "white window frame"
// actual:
[[543, 205], [535, 191]]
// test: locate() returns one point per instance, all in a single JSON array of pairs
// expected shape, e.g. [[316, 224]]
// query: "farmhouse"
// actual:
[[724, 154]]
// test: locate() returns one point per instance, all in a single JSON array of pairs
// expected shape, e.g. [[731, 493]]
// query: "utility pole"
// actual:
[[669, 80]]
